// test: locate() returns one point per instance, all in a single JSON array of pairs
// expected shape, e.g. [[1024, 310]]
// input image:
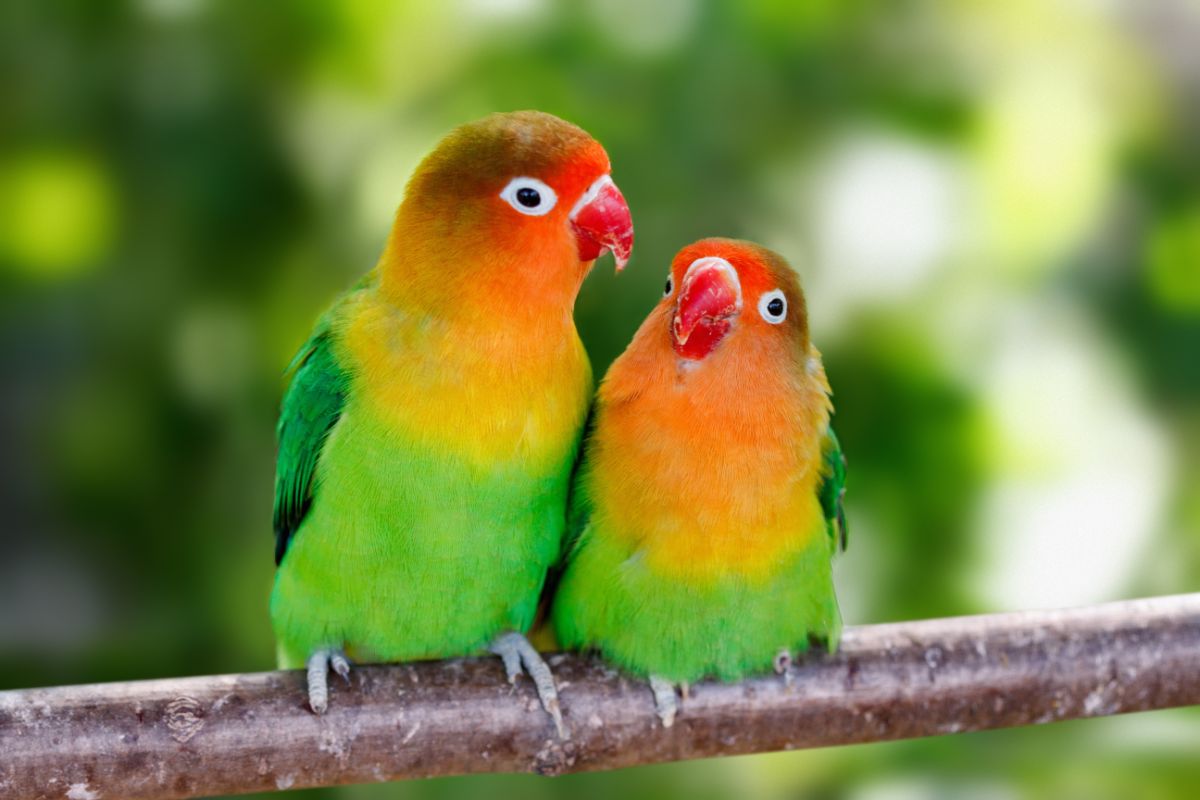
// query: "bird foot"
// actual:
[[319, 664], [664, 700], [520, 656], [783, 666]]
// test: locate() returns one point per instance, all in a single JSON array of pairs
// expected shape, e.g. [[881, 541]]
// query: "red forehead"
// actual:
[[758, 268], [577, 167]]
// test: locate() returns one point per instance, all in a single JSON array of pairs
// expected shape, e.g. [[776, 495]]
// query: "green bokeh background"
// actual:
[[994, 206]]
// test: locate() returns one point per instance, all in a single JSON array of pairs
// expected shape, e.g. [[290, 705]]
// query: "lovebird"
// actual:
[[708, 502], [433, 418]]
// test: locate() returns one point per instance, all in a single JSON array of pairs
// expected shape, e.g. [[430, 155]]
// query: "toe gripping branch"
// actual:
[[520, 656], [317, 670]]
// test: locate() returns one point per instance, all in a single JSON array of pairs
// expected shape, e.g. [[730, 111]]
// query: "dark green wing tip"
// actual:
[[843, 528], [287, 520], [311, 407], [833, 489], [281, 543]]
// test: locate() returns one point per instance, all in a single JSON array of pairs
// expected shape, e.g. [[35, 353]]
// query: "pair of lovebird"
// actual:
[[434, 467]]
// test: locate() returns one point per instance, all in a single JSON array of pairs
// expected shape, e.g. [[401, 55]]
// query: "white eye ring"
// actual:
[[515, 195], [765, 301], [670, 287]]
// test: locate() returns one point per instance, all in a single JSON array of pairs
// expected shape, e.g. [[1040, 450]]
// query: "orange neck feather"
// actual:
[[712, 468]]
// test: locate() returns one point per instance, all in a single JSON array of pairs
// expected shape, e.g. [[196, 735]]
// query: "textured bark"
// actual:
[[241, 733]]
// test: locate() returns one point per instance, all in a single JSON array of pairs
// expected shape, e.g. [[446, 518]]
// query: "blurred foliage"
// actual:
[[993, 206]]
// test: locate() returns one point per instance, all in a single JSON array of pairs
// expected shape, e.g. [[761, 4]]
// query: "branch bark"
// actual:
[[241, 733]]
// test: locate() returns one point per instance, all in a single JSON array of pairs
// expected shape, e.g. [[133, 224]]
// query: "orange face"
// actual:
[[522, 183], [721, 290], [502, 221]]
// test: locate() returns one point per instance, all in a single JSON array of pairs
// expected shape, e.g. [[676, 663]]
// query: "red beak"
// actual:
[[601, 221], [709, 298]]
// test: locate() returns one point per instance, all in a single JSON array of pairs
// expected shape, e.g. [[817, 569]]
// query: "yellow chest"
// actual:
[[488, 396]]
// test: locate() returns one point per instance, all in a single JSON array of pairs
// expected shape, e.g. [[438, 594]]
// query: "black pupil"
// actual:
[[667, 288], [528, 197], [775, 307]]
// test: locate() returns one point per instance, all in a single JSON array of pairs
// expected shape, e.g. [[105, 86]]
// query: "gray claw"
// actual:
[[664, 700], [783, 666], [319, 664], [520, 656], [318, 688], [340, 664]]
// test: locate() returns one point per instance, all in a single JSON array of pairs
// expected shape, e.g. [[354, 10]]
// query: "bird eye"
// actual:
[[529, 196], [772, 306], [670, 285]]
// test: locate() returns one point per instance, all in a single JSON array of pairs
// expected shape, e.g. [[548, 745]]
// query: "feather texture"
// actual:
[[700, 497], [428, 435]]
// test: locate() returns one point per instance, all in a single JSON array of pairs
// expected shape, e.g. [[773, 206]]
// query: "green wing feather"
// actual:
[[833, 488], [311, 406]]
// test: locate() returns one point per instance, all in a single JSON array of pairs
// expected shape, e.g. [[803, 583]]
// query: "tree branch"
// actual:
[[240, 733]]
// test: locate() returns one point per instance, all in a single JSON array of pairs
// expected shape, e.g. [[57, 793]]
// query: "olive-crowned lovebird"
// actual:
[[708, 501], [428, 434]]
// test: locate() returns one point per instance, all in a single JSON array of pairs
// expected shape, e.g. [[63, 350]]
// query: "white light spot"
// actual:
[[81, 791], [888, 214], [1083, 470]]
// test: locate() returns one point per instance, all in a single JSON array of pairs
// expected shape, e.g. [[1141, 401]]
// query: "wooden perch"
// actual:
[[241, 733]]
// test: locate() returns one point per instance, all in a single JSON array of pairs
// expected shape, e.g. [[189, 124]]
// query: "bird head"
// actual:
[[724, 294], [524, 198]]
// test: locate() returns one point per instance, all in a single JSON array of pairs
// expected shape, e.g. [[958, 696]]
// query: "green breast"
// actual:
[[411, 552], [729, 627]]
